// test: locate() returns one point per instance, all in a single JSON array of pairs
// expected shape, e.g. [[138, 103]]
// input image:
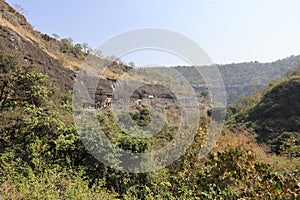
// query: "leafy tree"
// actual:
[[77, 50], [131, 64], [67, 44]]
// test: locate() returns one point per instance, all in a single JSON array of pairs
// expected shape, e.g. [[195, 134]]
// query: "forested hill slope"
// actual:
[[273, 114], [242, 79]]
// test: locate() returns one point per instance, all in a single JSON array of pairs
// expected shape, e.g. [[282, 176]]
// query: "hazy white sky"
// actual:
[[228, 30]]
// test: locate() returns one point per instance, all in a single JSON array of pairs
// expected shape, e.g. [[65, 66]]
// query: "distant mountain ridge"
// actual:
[[243, 79]]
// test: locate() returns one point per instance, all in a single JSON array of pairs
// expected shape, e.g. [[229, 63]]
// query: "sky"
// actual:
[[228, 30]]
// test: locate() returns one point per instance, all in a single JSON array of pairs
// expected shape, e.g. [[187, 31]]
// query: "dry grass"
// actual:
[[67, 61], [26, 35]]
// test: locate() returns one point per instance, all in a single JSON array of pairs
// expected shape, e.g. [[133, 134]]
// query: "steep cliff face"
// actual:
[[17, 34], [12, 16]]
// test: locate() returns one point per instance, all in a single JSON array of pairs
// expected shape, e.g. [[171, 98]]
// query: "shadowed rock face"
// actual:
[[100, 89], [157, 91]]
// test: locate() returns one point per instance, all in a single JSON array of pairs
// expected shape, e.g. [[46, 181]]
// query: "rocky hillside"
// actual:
[[38, 50], [51, 57]]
